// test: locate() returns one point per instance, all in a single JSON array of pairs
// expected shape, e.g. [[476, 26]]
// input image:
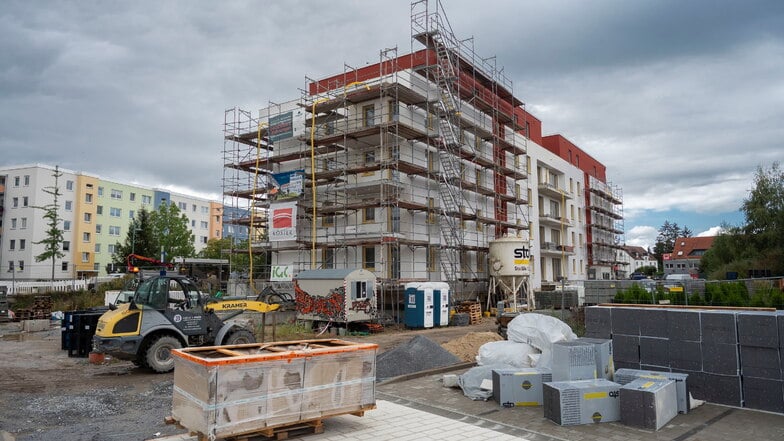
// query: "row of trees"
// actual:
[[757, 244]]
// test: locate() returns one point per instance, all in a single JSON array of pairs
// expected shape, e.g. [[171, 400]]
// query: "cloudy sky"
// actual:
[[682, 100]]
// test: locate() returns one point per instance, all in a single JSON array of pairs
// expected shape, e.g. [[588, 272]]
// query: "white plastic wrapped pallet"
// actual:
[[506, 352], [539, 331]]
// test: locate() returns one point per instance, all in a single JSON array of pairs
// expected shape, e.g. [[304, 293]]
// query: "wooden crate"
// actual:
[[231, 391]]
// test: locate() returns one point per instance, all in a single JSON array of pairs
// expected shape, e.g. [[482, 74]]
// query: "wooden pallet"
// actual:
[[280, 432], [474, 311]]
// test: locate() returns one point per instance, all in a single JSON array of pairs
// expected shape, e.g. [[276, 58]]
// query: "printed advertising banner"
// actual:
[[284, 222], [281, 126], [286, 185]]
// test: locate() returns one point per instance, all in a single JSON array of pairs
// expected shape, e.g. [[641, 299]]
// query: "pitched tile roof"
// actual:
[[691, 247]]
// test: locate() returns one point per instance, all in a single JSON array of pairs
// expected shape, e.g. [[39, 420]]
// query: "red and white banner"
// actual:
[[667, 256], [284, 222]]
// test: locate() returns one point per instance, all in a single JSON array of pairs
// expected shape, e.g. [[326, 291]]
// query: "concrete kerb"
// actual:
[[438, 370]]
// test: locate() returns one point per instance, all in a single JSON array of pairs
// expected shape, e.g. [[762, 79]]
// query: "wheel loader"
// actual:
[[169, 312]]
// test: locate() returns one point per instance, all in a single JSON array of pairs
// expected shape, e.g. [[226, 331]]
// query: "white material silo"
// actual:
[[510, 268]]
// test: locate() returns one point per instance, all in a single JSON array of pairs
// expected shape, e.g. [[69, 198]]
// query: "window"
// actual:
[[132, 196], [328, 258], [182, 206], [69, 185], [88, 198], [370, 157], [85, 257], [10, 266], [66, 225], [16, 202], [16, 181], [68, 205], [193, 208], [99, 209], [64, 266], [369, 214], [24, 201], [88, 217], [66, 245], [369, 258], [27, 180], [97, 248], [146, 200], [116, 194], [131, 213], [394, 215], [328, 220], [368, 115], [205, 210], [24, 223], [115, 212], [204, 239], [98, 228], [114, 230], [361, 290], [204, 224], [12, 244], [111, 248], [100, 191], [13, 223], [85, 237], [193, 223], [21, 265]]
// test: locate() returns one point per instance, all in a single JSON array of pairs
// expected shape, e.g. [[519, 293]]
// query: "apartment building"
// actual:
[[410, 168], [95, 212]]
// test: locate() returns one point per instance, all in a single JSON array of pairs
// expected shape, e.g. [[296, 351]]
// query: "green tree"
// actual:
[[217, 248], [54, 235], [139, 239], [665, 241], [170, 229], [759, 242]]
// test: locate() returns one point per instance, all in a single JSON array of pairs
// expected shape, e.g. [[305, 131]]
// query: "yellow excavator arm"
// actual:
[[235, 305]]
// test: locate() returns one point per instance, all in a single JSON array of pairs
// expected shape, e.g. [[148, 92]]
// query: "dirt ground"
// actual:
[[45, 395]]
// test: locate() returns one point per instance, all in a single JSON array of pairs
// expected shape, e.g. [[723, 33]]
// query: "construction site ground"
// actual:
[[45, 395]]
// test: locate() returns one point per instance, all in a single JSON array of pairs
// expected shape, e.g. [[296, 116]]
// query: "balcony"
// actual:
[[553, 220], [547, 189]]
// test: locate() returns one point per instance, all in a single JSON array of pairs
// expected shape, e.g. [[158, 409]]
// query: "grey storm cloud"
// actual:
[[668, 94]]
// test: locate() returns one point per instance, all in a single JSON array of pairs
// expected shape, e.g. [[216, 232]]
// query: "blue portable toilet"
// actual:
[[441, 303], [419, 305]]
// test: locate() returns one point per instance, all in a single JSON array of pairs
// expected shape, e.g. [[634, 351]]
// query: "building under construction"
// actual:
[[410, 167]]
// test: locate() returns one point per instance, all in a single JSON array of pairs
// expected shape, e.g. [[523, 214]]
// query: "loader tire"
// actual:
[[158, 356], [239, 337]]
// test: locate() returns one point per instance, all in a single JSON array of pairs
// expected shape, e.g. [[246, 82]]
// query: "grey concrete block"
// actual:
[[686, 355], [683, 325], [760, 362], [626, 321], [758, 328], [598, 321], [720, 358], [654, 351], [718, 327], [626, 365], [653, 323], [723, 389], [626, 348], [763, 394], [696, 382]]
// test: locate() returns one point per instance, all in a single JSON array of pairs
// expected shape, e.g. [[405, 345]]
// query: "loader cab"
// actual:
[[167, 292]]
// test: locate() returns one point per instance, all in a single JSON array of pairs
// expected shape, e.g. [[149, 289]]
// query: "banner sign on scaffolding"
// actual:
[[281, 126], [284, 222], [282, 273], [286, 185]]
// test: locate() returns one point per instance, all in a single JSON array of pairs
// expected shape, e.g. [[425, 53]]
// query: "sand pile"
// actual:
[[467, 347]]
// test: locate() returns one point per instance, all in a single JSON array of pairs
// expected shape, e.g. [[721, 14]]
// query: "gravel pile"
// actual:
[[419, 354]]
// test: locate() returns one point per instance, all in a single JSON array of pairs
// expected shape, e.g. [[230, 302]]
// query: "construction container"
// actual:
[[625, 376], [648, 404], [226, 391], [520, 387], [582, 402], [573, 360], [336, 295], [603, 351], [420, 305]]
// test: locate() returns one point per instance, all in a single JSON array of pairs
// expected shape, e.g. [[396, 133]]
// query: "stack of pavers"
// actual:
[[731, 357]]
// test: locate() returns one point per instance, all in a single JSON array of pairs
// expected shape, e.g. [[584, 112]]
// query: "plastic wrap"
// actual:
[[506, 352], [471, 381], [539, 331]]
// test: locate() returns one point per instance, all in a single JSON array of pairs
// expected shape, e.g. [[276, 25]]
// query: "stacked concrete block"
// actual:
[[682, 383], [582, 402], [598, 322], [574, 360], [520, 387], [760, 360], [603, 349], [648, 404], [626, 337], [720, 377]]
